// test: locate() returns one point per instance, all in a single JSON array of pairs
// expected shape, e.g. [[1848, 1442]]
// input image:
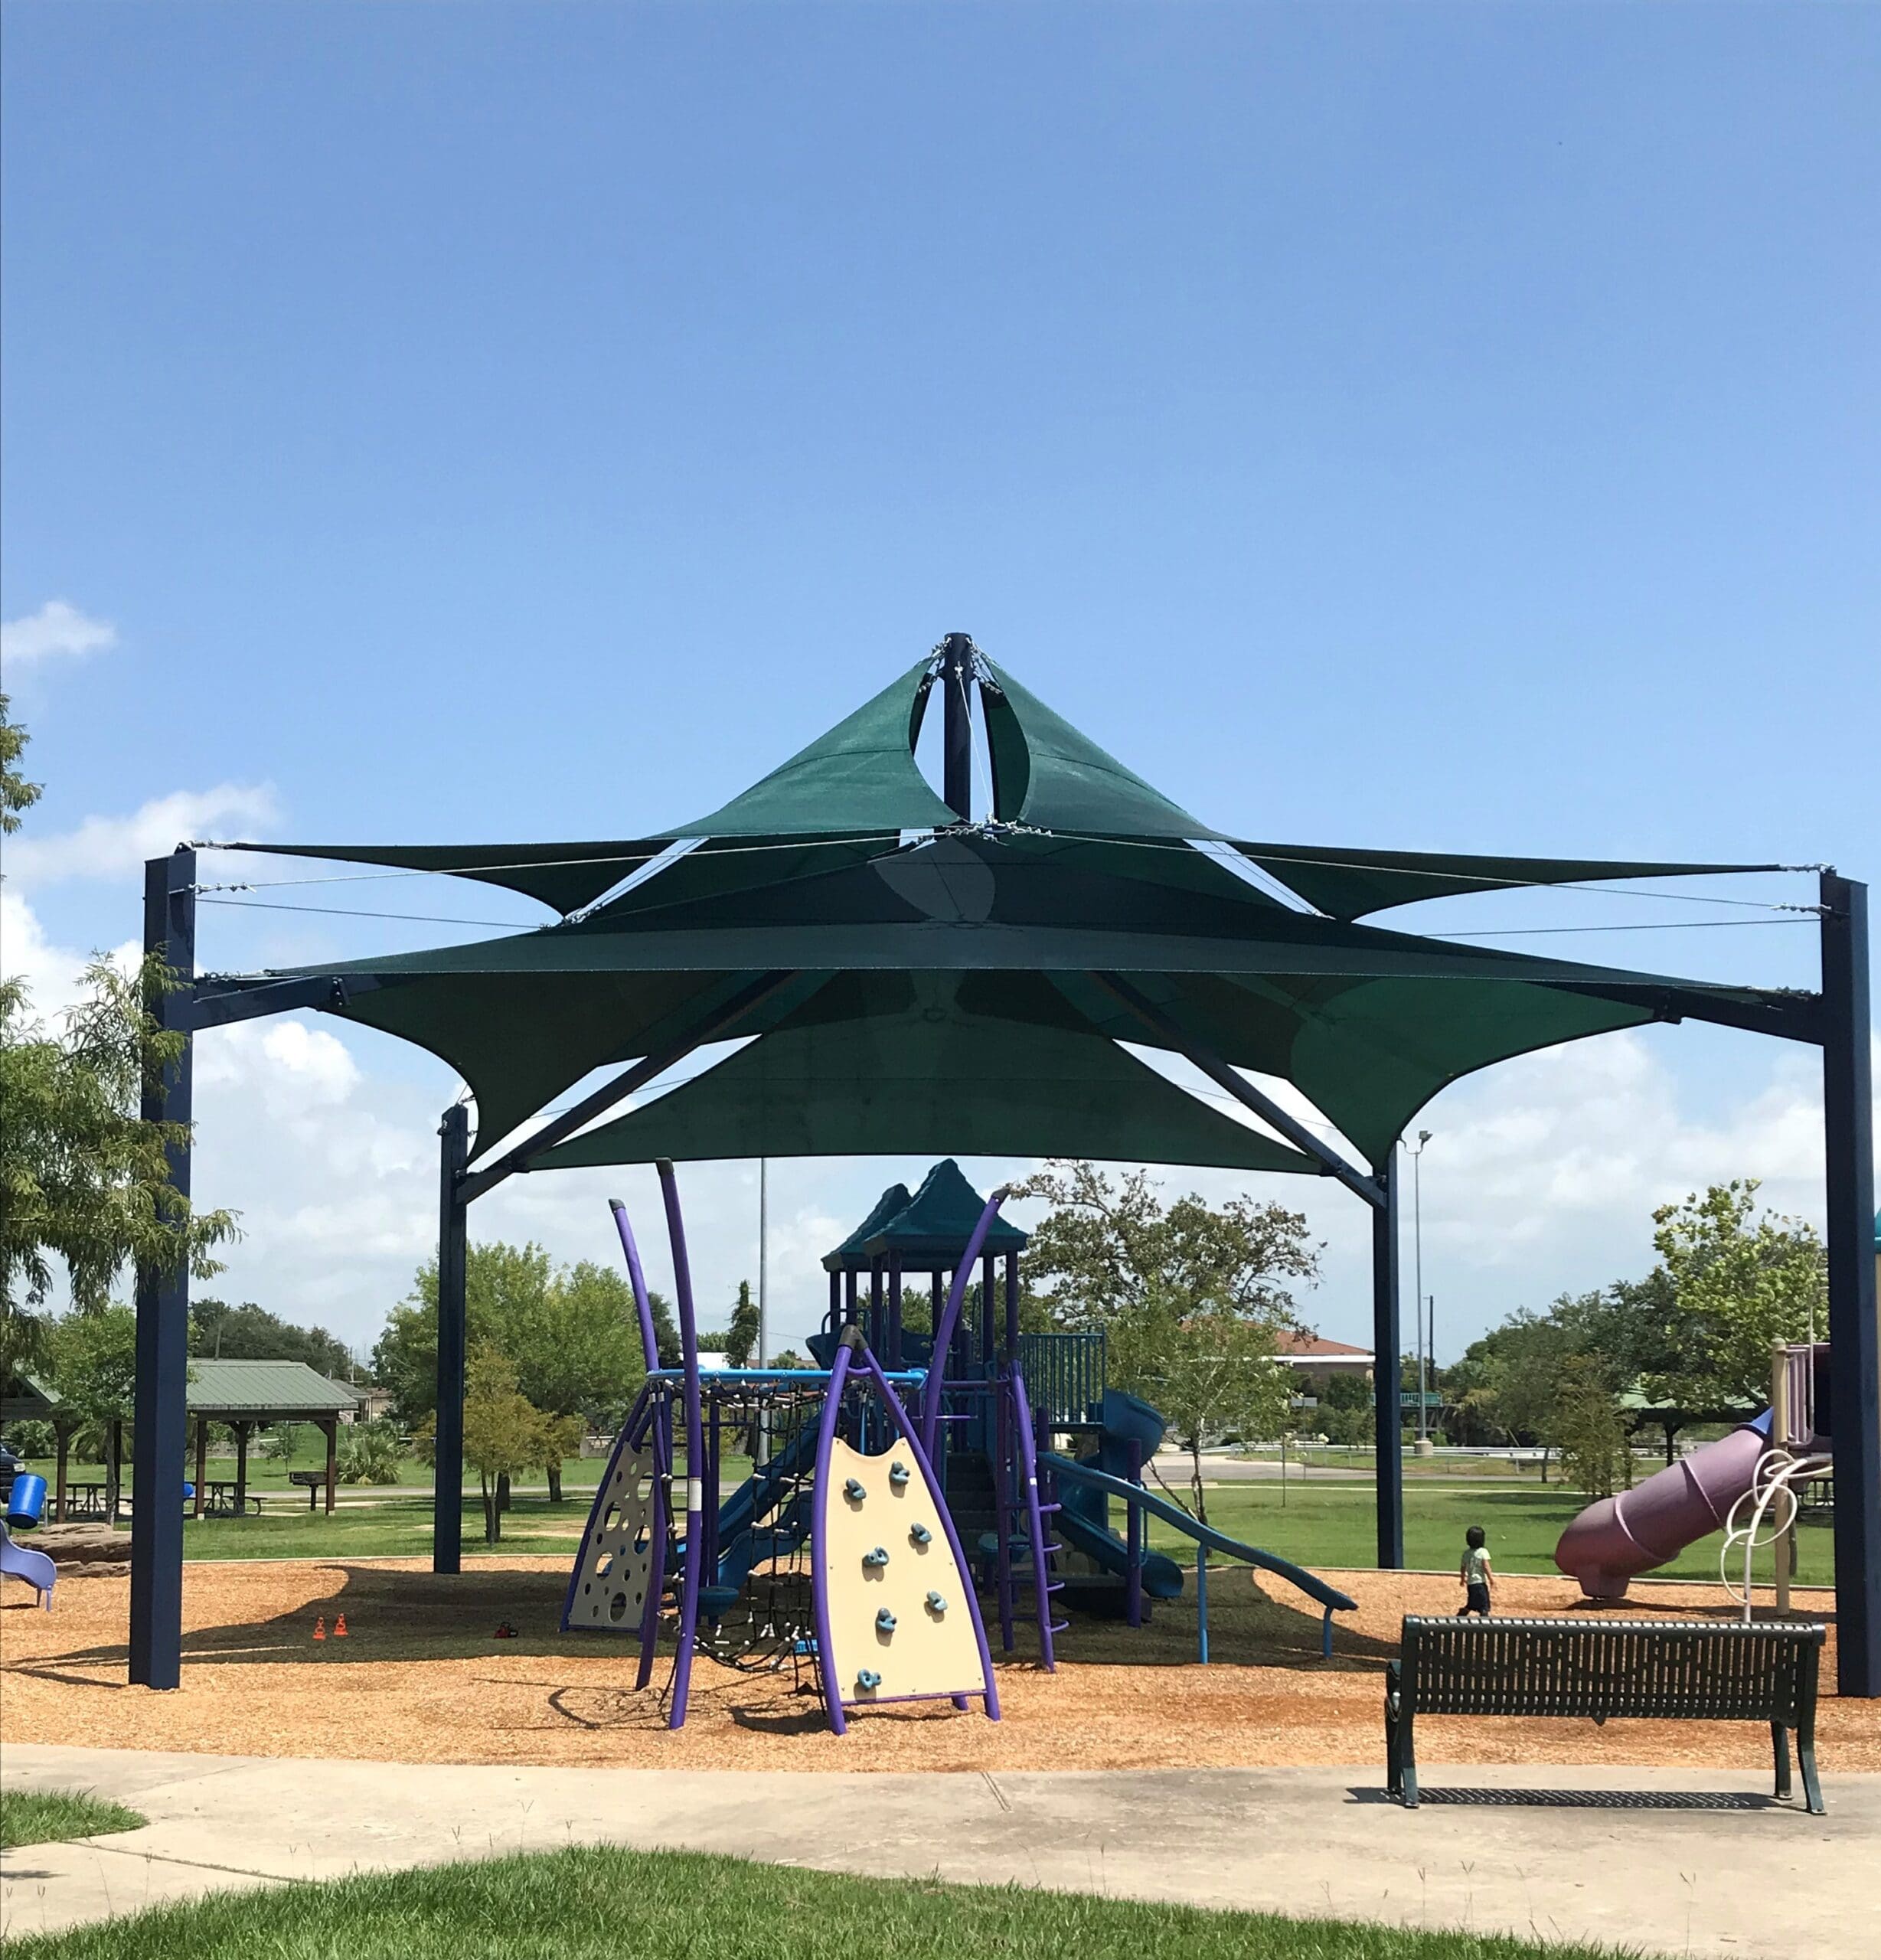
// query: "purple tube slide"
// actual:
[[1617, 1538]]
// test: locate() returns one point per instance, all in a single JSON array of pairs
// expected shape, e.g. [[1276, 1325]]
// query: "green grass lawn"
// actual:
[[1319, 1525], [268, 1475], [584, 1904], [33, 1817], [1332, 1524]]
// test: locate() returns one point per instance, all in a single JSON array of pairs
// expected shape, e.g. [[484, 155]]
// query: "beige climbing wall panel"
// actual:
[[617, 1556], [932, 1649]]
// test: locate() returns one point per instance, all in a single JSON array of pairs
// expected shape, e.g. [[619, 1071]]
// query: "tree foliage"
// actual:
[[1210, 1371], [571, 1333], [504, 1433], [1735, 1282], [1108, 1249], [249, 1333]]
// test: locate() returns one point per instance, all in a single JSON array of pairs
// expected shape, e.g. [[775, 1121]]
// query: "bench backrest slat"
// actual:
[[1656, 1669]]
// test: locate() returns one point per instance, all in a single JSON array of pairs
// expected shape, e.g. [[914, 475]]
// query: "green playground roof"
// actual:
[[943, 982], [925, 1232]]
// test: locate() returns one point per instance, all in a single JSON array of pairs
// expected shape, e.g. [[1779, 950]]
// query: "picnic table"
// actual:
[[228, 1499]]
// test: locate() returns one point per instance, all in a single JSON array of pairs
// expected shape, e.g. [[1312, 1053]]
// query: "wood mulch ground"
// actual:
[[420, 1678]]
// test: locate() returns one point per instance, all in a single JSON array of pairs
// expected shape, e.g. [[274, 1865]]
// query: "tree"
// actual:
[[84, 1180], [1737, 1283], [1588, 1429], [573, 1336], [91, 1356], [1208, 1370], [742, 1344], [249, 1333], [1107, 1249], [1345, 1411], [503, 1430]]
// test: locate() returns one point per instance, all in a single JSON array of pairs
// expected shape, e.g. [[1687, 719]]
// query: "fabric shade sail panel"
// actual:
[[843, 869], [934, 1079]]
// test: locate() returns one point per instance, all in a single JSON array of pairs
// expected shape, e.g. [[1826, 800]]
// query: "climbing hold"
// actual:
[[936, 1603], [919, 1533], [339, 1628], [899, 1474], [884, 1622], [877, 1557], [320, 1627], [854, 1491], [868, 1679]]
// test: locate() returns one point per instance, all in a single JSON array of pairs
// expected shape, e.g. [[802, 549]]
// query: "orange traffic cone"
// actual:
[[339, 1628], [320, 1627]]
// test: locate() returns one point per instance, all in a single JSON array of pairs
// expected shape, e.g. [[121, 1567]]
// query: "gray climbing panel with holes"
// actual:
[[609, 1590]]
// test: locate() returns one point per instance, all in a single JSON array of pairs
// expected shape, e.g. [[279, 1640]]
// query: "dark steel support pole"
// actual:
[[1854, 1334], [161, 1442], [1012, 1304], [447, 1488], [835, 1320], [893, 1347], [1385, 1339], [957, 747]]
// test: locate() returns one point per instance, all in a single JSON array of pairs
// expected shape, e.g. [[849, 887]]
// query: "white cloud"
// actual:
[[110, 846], [56, 629]]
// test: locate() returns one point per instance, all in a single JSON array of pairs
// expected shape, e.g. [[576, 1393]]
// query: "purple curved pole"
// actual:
[[819, 1535], [944, 1334], [661, 1529], [689, 1579], [649, 1342], [898, 1416], [1027, 1448]]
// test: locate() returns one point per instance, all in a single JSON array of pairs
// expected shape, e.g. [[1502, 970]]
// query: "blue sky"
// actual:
[[1451, 426]]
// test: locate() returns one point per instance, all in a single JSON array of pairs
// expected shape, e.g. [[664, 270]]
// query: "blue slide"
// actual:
[[1109, 1550]]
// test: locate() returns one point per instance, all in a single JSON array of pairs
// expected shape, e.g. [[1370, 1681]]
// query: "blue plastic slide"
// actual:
[[1066, 1471], [18, 1562]]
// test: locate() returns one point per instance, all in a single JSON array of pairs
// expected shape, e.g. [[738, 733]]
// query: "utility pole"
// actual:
[[1417, 1283], [764, 1325]]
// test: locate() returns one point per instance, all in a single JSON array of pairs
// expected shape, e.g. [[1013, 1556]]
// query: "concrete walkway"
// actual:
[[1680, 1862]]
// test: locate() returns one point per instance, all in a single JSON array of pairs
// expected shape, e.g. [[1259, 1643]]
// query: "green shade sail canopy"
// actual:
[[945, 992]]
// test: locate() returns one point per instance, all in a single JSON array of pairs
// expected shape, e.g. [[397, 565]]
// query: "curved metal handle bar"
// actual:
[[691, 1579], [637, 1279], [950, 1319]]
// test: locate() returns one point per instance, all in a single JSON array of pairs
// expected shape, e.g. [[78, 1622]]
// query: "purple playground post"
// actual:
[[898, 1416], [1002, 1518], [1617, 1538], [660, 1528], [691, 1578], [1028, 1447], [643, 1306], [943, 1332], [819, 1549]]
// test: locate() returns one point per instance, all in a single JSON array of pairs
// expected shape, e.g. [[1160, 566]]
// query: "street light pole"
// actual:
[[764, 1327], [1417, 1257]]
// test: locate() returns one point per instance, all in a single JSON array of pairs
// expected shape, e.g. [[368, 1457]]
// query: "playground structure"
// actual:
[[882, 1500], [910, 971], [1744, 1485]]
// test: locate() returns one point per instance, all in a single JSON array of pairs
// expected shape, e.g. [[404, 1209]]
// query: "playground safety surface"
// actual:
[[420, 1677]]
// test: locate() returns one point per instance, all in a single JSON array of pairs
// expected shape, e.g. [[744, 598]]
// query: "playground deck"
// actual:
[[420, 1679]]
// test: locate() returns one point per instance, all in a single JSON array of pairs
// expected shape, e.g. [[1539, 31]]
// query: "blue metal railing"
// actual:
[[1064, 1375]]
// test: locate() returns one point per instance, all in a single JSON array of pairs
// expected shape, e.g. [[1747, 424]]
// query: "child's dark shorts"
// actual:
[[1477, 1601]]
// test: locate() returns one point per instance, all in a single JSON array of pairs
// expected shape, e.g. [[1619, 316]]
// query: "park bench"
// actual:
[[1719, 1671]]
